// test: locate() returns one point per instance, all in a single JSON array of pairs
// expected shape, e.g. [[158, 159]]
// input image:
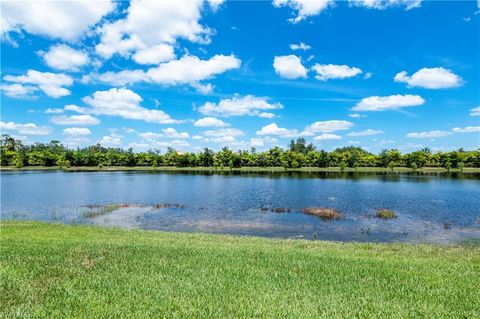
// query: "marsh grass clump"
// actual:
[[99, 210], [384, 213], [278, 210], [323, 213], [103, 210], [168, 205]]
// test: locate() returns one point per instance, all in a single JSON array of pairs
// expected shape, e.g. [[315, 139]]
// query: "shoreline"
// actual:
[[429, 170]]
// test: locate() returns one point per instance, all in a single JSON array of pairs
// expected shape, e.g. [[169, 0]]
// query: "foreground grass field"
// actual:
[[466, 170], [60, 271]]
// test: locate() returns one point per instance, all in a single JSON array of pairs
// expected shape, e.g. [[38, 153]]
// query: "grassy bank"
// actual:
[[75, 271], [247, 169]]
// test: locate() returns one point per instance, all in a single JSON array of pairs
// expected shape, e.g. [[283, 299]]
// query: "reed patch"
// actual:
[[323, 213], [385, 213]]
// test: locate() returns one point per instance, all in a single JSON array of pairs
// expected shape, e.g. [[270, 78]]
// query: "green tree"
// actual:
[[62, 162], [206, 158], [414, 166], [448, 165], [391, 165], [300, 146]]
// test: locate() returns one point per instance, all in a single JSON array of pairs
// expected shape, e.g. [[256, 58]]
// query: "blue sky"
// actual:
[[150, 74]]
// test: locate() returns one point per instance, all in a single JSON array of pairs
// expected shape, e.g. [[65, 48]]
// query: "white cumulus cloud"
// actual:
[[18, 91], [82, 120], [367, 132], [111, 140], [77, 131], [476, 110], [26, 129], [428, 134], [210, 122], [332, 71], [191, 70], [300, 46], [155, 54], [62, 57], [66, 20], [356, 115], [391, 102], [241, 106], [467, 129], [148, 24], [328, 126], [74, 108], [123, 103], [124, 77], [54, 111], [262, 141], [304, 8], [273, 129], [151, 140], [289, 67], [52, 84], [150, 135], [222, 132], [224, 140], [430, 78], [172, 133], [384, 4], [327, 136], [224, 135], [188, 70]]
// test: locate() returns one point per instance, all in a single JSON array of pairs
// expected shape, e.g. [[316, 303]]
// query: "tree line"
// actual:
[[298, 154]]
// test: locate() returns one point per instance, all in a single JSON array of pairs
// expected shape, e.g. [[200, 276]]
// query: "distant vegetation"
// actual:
[[298, 154]]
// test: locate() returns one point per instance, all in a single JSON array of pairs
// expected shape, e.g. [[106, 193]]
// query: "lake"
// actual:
[[430, 208]]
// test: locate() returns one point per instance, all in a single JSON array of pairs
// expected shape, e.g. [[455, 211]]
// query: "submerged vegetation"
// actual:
[[59, 271], [276, 209], [384, 213], [100, 210], [299, 154], [323, 213]]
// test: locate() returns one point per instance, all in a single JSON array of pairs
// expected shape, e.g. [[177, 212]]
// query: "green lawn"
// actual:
[[59, 271], [247, 169]]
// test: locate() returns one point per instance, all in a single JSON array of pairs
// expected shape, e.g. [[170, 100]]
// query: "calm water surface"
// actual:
[[429, 208]]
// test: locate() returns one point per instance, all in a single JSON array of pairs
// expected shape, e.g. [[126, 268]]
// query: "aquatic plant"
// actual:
[[322, 212], [276, 209], [384, 213], [168, 205], [99, 210], [281, 210], [103, 210]]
